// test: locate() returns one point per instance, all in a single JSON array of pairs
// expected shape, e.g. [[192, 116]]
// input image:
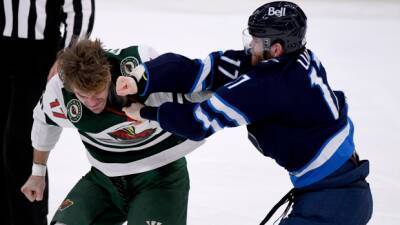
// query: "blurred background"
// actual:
[[231, 182]]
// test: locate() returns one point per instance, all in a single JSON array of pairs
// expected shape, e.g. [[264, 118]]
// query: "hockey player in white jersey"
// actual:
[[138, 170]]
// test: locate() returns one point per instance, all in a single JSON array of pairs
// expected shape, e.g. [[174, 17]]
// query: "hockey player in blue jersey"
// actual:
[[279, 89]]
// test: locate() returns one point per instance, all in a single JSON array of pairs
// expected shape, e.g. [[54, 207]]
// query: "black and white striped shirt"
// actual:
[[46, 19]]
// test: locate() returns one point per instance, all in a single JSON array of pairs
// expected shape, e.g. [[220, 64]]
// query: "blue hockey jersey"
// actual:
[[292, 114]]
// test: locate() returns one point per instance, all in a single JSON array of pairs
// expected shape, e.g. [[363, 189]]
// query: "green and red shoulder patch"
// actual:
[[65, 204]]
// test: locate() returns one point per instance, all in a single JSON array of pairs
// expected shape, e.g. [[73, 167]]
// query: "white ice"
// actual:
[[231, 183]]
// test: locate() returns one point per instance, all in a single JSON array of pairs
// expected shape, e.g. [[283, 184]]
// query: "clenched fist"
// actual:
[[128, 85], [34, 187]]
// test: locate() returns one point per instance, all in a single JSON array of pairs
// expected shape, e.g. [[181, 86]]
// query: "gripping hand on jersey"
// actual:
[[128, 85], [133, 111]]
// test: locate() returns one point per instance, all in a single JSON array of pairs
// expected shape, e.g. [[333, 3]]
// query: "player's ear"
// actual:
[[277, 50]]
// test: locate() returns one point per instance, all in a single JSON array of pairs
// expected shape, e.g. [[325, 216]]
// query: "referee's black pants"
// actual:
[[23, 74]]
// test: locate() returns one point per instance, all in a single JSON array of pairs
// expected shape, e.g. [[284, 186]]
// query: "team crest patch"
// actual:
[[128, 64], [74, 110], [65, 204], [129, 134]]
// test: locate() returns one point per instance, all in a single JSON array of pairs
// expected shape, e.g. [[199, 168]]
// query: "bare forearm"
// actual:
[[40, 157]]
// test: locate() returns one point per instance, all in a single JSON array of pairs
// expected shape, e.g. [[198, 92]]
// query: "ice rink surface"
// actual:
[[231, 182]]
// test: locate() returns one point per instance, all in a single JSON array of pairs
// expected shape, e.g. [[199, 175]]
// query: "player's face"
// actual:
[[94, 101]]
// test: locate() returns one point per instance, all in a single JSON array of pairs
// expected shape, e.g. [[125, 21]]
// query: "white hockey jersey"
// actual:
[[115, 144]]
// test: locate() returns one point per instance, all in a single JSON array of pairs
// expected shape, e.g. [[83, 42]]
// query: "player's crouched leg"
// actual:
[[89, 203], [343, 198]]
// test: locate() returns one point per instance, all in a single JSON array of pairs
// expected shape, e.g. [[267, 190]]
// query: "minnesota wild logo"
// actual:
[[127, 65], [74, 110], [129, 134]]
